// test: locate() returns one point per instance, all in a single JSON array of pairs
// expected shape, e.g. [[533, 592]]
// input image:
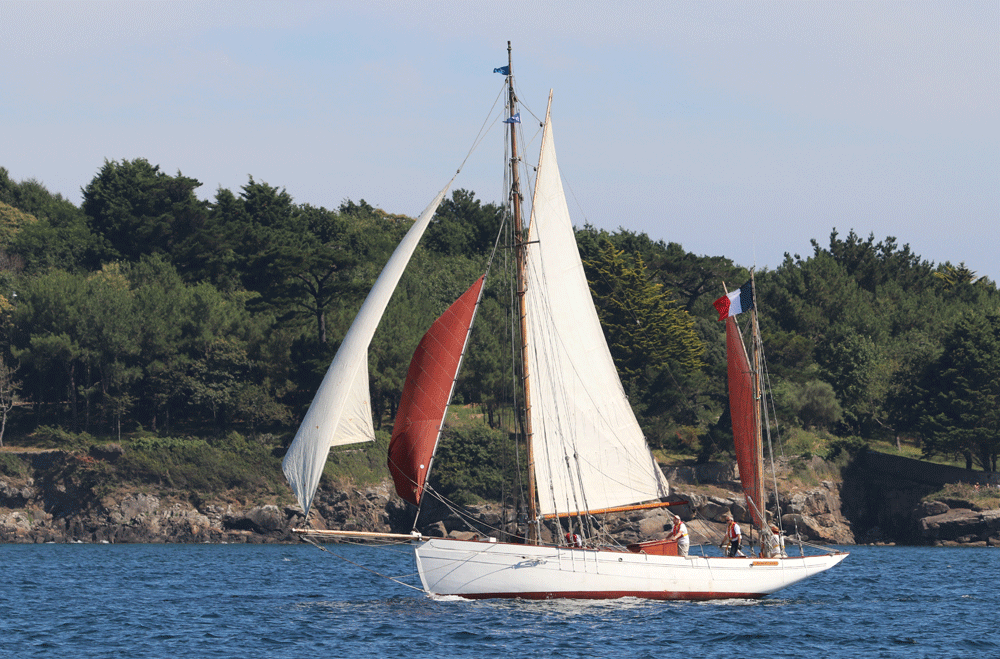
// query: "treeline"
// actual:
[[148, 308]]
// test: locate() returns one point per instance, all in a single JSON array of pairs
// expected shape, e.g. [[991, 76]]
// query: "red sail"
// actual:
[[426, 394], [741, 408]]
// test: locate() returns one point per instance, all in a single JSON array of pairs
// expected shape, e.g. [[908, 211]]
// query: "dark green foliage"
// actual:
[[147, 308], [468, 464], [959, 409], [55, 233], [137, 209], [813, 404], [851, 445], [866, 317], [464, 226], [645, 327]]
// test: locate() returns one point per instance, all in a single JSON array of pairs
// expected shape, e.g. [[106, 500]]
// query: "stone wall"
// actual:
[[883, 496]]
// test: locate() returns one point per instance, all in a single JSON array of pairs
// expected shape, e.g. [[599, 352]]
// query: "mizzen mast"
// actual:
[[758, 397]]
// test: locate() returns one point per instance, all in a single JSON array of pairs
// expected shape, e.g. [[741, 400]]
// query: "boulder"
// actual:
[[654, 523], [954, 525]]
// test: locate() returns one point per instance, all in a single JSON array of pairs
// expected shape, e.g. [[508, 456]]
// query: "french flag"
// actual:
[[736, 302]]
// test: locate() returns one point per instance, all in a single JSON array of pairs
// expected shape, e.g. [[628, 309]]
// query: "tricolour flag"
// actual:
[[502, 69], [736, 302], [516, 119]]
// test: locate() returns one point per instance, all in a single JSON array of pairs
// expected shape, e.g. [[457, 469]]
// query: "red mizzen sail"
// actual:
[[741, 408], [426, 393]]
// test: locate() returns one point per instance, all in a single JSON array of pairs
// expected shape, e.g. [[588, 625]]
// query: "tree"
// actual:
[[9, 387], [959, 412], [139, 210], [859, 374], [953, 276], [212, 252], [464, 226], [305, 265], [645, 327], [45, 230], [46, 337]]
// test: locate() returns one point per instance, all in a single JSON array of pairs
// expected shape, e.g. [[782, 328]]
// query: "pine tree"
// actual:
[[647, 330]]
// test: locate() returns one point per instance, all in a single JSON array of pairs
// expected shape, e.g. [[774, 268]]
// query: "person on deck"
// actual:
[[574, 540], [777, 543], [734, 536], [679, 532]]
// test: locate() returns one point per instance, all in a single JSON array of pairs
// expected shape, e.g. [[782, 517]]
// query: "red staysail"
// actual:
[[426, 394], [741, 408]]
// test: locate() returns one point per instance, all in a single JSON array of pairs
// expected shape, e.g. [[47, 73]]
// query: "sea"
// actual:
[[249, 601]]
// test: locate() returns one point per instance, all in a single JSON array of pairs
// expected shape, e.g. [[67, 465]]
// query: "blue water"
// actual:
[[248, 601]]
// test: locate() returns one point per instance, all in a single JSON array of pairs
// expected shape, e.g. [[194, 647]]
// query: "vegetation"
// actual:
[[985, 498], [196, 332]]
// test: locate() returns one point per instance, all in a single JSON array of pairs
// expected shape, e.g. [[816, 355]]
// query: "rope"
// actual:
[[367, 569]]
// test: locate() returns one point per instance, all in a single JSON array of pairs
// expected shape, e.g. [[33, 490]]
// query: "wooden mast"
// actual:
[[758, 397], [520, 240]]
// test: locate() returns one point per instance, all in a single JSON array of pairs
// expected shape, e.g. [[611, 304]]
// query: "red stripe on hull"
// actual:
[[612, 595]]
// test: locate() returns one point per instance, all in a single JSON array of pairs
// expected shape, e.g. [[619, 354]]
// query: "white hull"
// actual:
[[479, 570]]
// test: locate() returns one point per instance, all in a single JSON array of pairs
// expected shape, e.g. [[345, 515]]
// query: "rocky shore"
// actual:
[[40, 507]]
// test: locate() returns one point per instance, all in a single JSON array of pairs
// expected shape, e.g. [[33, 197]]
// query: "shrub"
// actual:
[[468, 464], [13, 465]]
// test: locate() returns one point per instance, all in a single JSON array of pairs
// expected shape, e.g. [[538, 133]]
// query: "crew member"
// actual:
[[777, 543], [679, 532], [734, 536]]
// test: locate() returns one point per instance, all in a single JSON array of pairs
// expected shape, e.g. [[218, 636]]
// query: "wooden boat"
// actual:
[[586, 451]]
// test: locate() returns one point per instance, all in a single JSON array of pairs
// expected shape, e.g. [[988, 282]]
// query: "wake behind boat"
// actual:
[[586, 452]]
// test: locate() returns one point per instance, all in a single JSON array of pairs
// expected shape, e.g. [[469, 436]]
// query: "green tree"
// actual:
[[960, 409], [49, 231], [212, 252], [467, 465], [645, 327], [464, 226], [305, 266], [139, 210]]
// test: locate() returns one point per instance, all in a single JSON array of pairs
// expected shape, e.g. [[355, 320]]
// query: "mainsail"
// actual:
[[589, 450], [424, 403], [341, 410]]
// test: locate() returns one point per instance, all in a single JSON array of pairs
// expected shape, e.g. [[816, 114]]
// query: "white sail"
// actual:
[[341, 410], [589, 450]]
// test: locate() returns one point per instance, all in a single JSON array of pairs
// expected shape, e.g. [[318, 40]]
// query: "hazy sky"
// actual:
[[741, 129]]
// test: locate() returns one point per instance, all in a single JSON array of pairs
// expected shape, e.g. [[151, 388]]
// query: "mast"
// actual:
[[758, 397], [520, 240]]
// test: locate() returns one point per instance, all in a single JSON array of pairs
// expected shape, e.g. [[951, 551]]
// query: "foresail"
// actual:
[[589, 450], [741, 408], [426, 394], [341, 410]]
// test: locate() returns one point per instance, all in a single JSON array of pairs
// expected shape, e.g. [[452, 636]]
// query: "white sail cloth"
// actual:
[[341, 410], [589, 450]]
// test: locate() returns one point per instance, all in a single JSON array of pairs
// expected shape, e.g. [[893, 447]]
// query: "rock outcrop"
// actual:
[[957, 523], [48, 505]]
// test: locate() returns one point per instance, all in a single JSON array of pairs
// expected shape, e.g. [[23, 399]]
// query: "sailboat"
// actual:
[[586, 451]]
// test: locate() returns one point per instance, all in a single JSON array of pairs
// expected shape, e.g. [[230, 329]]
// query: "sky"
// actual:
[[737, 129]]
